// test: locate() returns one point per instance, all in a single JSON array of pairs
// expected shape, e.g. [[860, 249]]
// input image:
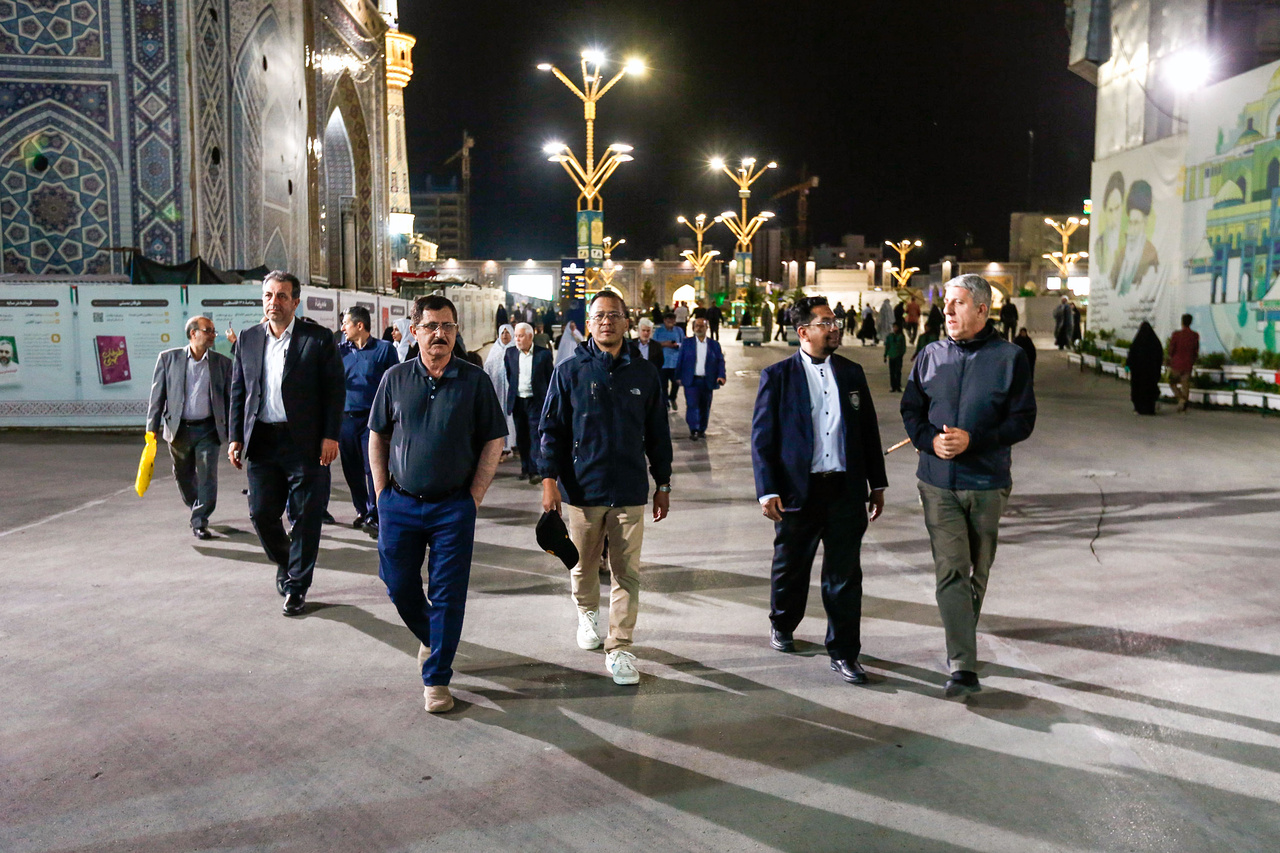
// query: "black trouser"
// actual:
[[195, 450], [715, 331], [670, 384], [895, 373], [527, 415], [835, 515], [353, 450], [281, 475]]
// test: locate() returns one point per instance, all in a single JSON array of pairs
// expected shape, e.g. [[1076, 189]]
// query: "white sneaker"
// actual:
[[589, 630], [621, 665]]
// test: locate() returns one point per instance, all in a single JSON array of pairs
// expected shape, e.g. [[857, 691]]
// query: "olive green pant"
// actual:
[[963, 528]]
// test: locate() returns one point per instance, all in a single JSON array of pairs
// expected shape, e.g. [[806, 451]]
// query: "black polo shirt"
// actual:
[[437, 426]]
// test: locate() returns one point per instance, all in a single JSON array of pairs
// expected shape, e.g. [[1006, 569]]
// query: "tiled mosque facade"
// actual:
[[245, 131]]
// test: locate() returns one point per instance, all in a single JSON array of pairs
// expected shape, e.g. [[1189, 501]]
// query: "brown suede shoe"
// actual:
[[439, 699]]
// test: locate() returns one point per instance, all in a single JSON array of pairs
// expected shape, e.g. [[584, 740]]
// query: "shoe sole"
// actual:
[[586, 647], [958, 690], [625, 680]]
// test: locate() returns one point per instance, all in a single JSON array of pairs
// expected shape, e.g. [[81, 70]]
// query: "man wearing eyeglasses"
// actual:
[[820, 476], [605, 415], [190, 395], [436, 433]]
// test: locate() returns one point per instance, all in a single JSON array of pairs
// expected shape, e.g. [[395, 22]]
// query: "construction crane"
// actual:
[[468, 142], [802, 207]]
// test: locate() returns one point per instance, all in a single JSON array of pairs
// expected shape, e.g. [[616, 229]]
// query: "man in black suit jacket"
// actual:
[[287, 396], [815, 448], [646, 347], [528, 377]]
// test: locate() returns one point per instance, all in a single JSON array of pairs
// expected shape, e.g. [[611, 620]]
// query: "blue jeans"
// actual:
[[697, 403], [406, 528]]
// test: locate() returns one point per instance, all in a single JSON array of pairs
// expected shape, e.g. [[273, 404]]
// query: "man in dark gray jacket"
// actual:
[[969, 399], [605, 415]]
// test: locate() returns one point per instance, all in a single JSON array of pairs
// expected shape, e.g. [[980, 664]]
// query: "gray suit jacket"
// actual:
[[169, 392]]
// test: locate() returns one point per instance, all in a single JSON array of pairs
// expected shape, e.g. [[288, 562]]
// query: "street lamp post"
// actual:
[[588, 175], [1065, 259], [744, 176], [903, 273], [607, 269], [699, 259]]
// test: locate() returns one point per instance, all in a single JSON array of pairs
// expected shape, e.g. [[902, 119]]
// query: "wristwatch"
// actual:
[[665, 487]]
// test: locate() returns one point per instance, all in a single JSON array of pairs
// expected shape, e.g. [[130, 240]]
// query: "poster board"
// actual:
[[320, 305], [37, 353], [350, 299], [390, 309], [234, 306]]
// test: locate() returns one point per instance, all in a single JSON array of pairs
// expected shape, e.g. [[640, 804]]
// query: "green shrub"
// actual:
[[1212, 360], [1027, 291], [1270, 360], [1244, 356], [1106, 334], [1205, 383], [1122, 343], [1254, 383]]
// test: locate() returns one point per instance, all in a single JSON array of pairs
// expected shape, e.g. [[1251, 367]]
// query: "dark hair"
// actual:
[[360, 314], [897, 325], [668, 315], [295, 286], [1139, 198], [193, 324], [802, 309], [1186, 320], [434, 302], [608, 294]]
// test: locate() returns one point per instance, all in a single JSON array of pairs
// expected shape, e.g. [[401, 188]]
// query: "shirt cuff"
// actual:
[[764, 499]]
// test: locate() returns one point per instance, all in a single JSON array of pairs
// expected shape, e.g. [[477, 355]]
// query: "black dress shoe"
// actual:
[[693, 436], [961, 683], [282, 577], [201, 533], [294, 604], [360, 521], [850, 670], [371, 527], [781, 640], [328, 518], [535, 479]]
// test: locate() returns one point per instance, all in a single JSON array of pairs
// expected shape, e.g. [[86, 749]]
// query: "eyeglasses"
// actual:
[[213, 332], [825, 324], [432, 328], [608, 316]]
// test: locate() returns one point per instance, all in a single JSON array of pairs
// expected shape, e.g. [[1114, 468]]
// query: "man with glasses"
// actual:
[[436, 433], [364, 360], [528, 370], [190, 396], [605, 414], [819, 468], [287, 396]]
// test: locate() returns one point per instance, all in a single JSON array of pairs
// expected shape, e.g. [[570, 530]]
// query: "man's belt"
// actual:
[[430, 499], [198, 421]]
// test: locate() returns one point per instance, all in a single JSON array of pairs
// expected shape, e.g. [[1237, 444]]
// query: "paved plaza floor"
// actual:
[[152, 697]]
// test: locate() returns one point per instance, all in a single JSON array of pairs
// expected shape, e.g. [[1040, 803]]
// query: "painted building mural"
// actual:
[[185, 127]]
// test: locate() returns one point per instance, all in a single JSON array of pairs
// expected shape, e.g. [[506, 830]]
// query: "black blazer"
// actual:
[[314, 387], [782, 431], [543, 365], [655, 351]]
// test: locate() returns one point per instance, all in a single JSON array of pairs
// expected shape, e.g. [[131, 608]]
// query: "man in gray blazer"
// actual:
[[190, 396]]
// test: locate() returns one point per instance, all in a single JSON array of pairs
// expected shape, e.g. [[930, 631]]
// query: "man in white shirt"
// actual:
[[682, 317], [528, 376], [190, 393], [820, 476], [700, 369]]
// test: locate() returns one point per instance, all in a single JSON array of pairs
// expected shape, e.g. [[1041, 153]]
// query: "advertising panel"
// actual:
[[1136, 238], [121, 331], [350, 299], [37, 350], [229, 306], [320, 305], [1232, 212], [390, 309]]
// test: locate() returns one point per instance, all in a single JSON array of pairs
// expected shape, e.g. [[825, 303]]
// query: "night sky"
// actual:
[[914, 115]]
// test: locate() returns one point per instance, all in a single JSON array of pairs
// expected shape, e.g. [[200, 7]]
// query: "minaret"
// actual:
[[399, 72]]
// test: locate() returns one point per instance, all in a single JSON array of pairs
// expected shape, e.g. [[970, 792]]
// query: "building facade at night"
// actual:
[[248, 132]]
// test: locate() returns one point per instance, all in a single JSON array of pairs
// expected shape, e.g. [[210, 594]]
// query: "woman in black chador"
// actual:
[[1146, 360]]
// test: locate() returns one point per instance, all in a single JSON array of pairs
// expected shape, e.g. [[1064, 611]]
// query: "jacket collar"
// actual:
[[977, 341], [591, 351]]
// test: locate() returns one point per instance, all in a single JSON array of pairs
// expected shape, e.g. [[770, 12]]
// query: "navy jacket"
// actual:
[[687, 362], [602, 418], [782, 431], [543, 364], [982, 386], [314, 388]]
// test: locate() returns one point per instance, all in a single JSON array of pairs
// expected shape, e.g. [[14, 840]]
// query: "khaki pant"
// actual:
[[963, 529], [624, 527], [1181, 383]]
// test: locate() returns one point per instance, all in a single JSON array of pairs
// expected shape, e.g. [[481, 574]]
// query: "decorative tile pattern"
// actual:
[[212, 200], [55, 215], [53, 28]]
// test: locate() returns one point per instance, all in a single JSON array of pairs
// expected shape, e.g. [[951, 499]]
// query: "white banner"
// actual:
[[320, 305], [37, 350], [229, 306]]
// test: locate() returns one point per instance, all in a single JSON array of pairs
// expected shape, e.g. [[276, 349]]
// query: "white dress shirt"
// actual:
[[700, 369], [828, 426], [198, 403], [272, 407], [524, 382]]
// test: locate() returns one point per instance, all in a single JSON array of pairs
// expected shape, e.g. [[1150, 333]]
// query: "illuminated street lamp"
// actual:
[[1065, 259], [588, 175], [699, 259], [607, 269], [903, 273], [744, 229]]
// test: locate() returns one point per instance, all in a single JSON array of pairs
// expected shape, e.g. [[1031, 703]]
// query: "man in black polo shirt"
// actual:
[[436, 432]]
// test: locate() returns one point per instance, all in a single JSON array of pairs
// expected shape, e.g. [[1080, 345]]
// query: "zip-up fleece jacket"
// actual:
[[602, 417], [982, 386]]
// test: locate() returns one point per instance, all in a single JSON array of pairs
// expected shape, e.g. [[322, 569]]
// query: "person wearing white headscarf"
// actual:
[[495, 364], [569, 342], [885, 323], [405, 326]]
